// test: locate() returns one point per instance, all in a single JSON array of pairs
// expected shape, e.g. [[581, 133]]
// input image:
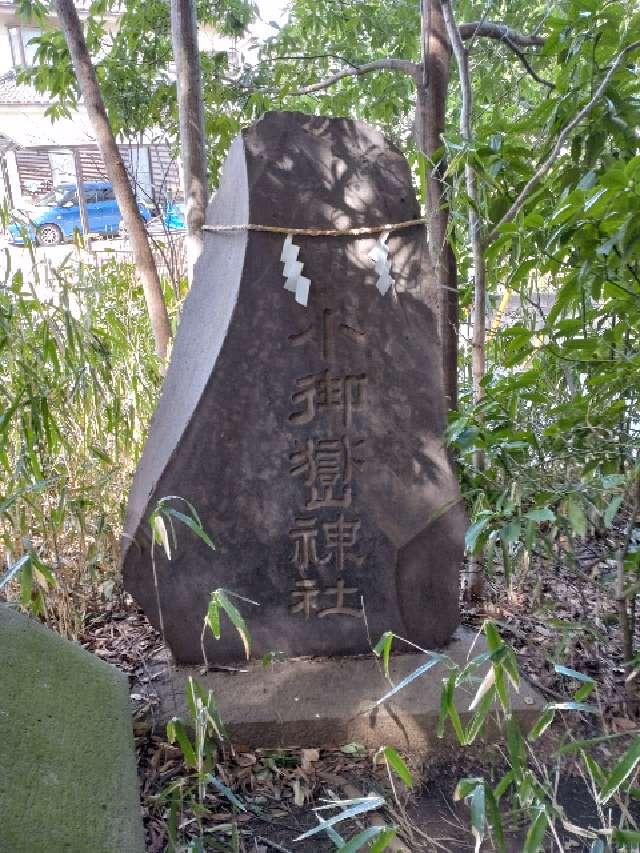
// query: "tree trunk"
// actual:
[[117, 174], [431, 108], [474, 580], [184, 30]]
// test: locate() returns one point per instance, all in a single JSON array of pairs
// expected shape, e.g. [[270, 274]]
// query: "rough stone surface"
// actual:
[[308, 439], [67, 765], [327, 702]]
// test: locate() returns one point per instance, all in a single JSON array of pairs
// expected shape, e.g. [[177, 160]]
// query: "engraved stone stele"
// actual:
[[309, 440]]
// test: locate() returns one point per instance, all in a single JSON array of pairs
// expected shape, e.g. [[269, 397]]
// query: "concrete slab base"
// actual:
[[330, 702]]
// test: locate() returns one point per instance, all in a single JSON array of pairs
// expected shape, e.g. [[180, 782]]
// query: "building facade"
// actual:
[[37, 153]]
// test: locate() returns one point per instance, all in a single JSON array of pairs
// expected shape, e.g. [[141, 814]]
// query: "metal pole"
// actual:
[[82, 199]]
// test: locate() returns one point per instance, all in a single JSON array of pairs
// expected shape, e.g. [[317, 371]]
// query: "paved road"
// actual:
[[36, 263], [13, 258]]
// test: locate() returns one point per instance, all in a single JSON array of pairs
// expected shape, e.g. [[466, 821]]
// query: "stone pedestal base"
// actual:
[[328, 703]]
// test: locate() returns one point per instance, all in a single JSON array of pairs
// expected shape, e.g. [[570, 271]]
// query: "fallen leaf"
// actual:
[[246, 759], [623, 724]]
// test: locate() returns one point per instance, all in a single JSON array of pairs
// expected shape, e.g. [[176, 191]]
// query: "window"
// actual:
[[23, 50]]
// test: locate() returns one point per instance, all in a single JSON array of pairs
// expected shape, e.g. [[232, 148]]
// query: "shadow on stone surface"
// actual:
[[308, 439]]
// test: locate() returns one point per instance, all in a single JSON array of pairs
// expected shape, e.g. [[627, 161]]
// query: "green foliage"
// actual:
[[200, 754], [383, 647], [396, 763], [322, 40], [134, 68], [78, 381], [347, 809], [221, 600], [163, 510], [527, 787], [557, 423], [530, 791]]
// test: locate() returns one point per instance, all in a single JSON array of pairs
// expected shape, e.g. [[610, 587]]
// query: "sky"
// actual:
[[269, 10]]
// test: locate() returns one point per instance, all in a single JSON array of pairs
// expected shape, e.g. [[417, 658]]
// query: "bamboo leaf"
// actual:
[[479, 717], [572, 673], [355, 807], [535, 836], [227, 792], [435, 659], [577, 517], [236, 618], [494, 640], [621, 772], [382, 835], [383, 840], [465, 787], [14, 569], [212, 617], [485, 685], [397, 764], [541, 514], [383, 647], [176, 732], [542, 724], [611, 510], [160, 533], [192, 523], [626, 837], [495, 819], [478, 815], [472, 535], [573, 706]]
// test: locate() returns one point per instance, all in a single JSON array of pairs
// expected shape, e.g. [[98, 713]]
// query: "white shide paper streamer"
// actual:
[[294, 280], [380, 256]]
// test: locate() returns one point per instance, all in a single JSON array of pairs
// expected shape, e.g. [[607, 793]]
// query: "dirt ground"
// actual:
[[558, 614]]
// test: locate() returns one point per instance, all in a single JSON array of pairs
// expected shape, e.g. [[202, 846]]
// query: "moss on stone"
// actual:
[[67, 770]]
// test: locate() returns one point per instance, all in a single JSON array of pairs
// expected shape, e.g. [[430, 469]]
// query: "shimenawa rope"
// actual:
[[317, 232]]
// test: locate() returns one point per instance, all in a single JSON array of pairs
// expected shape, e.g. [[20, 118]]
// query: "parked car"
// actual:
[[54, 218]]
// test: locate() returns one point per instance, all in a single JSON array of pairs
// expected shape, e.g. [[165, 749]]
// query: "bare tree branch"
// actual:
[[487, 29], [511, 38], [404, 66], [548, 162], [298, 56], [499, 32], [523, 59]]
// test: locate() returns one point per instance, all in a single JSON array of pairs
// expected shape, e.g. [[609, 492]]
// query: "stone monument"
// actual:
[[308, 437]]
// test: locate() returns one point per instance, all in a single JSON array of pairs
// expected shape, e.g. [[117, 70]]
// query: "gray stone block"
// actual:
[[68, 779], [329, 703]]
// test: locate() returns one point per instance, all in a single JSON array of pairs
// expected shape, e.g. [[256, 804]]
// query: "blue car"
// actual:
[[56, 217]]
